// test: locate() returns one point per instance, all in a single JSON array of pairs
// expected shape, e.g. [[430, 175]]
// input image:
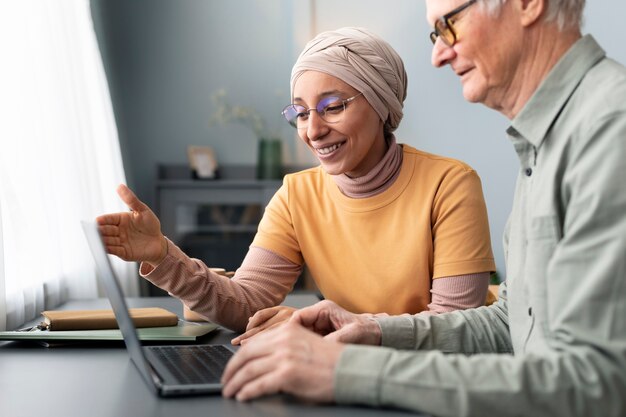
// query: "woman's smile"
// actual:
[[327, 151]]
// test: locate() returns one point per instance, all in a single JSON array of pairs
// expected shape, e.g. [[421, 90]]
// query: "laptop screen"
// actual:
[[106, 275]]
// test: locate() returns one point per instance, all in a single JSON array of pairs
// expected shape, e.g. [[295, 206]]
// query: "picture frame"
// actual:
[[202, 161]]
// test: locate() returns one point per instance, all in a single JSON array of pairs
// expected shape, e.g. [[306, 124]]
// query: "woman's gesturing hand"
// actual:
[[134, 235]]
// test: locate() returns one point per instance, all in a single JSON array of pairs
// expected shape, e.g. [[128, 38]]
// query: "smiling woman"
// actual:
[[358, 142], [381, 227]]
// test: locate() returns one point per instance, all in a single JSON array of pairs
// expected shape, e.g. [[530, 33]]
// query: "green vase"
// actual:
[[269, 161]]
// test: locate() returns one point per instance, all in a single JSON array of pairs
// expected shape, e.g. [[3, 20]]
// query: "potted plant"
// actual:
[[269, 154]]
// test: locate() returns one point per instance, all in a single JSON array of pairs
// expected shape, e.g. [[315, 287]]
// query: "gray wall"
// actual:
[[164, 59]]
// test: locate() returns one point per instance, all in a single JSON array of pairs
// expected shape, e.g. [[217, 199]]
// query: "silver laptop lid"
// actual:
[[106, 275]]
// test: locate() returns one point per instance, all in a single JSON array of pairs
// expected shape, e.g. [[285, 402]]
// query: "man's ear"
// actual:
[[529, 11]]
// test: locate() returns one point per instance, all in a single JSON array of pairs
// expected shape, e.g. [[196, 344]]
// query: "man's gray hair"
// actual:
[[566, 13]]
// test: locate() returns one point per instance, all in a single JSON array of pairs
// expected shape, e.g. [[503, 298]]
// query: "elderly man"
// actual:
[[555, 342]]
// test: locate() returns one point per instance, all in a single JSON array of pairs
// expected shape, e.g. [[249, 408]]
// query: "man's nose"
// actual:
[[442, 54]]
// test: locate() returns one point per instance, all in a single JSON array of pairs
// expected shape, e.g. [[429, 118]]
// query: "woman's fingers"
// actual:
[[248, 334], [109, 230], [118, 251], [261, 317], [263, 320], [112, 219], [130, 199], [245, 340], [255, 324]]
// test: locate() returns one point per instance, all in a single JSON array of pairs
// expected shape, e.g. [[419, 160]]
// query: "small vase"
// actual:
[[269, 161]]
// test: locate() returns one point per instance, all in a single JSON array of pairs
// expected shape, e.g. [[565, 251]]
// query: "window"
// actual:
[[60, 160]]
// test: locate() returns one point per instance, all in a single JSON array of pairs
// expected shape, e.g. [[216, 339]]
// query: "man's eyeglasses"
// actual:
[[444, 26], [330, 109]]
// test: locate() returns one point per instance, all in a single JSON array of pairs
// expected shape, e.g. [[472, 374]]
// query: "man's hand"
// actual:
[[263, 320], [288, 359], [134, 235], [339, 325]]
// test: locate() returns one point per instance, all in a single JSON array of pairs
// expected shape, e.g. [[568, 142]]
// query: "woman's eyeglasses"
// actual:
[[444, 26], [330, 109]]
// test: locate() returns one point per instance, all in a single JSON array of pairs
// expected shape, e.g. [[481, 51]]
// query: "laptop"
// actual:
[[168, 370]]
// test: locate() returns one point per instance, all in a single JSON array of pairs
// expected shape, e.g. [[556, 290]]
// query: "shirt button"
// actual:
[[528, 172], [530, 311]]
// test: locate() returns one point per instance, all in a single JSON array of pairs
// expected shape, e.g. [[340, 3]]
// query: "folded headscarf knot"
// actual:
[[362, 60]]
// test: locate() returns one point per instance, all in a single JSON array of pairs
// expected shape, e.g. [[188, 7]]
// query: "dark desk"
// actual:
[[94, 381]]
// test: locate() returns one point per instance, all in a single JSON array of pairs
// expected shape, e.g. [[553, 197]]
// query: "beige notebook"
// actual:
[[105, 319]]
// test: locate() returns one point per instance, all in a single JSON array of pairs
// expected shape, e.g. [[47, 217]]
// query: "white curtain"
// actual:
[[60, 160], [3, 311]]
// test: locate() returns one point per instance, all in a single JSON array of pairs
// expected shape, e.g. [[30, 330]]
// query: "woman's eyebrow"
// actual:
[[321, 95]]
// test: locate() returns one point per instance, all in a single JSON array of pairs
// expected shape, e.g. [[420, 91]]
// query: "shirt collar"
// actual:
[[539, 113]]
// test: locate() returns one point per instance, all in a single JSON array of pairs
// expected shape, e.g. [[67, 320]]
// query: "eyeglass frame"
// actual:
[[306, 111], [445, 19]]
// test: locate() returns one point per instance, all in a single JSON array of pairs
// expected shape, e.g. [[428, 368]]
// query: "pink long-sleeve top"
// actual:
[[265, 278]]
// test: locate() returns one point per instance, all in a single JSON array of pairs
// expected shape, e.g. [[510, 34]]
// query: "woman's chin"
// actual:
[[331, 169]]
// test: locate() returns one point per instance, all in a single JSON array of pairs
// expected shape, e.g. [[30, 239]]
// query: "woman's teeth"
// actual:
[[326, 151]]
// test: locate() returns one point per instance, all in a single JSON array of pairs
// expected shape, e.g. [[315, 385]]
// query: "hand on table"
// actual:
[[263, 320], [336, 324], [288, 359], [134, 235]]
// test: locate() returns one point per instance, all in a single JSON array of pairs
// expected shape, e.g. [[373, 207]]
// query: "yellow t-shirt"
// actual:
[[379, 254]]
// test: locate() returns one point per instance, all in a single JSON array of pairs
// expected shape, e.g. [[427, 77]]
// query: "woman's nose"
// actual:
[[317, 127]]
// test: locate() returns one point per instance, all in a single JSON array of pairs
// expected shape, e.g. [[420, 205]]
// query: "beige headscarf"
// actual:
[[364, 61]]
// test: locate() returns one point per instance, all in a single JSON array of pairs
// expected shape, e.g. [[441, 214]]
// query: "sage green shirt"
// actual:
[[555, 343]]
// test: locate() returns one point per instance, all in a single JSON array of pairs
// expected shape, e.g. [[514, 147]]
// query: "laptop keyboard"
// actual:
[[194, 364]]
